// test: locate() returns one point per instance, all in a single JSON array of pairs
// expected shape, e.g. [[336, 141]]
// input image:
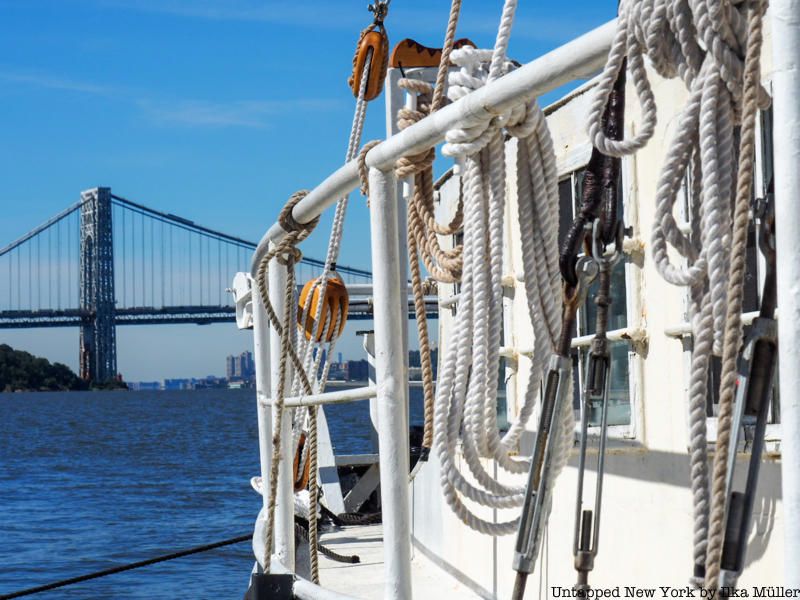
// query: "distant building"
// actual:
[[240, 367], [357, 370], [142, 386], [415, 361], [210, 381], [337, 371], [178, 384]]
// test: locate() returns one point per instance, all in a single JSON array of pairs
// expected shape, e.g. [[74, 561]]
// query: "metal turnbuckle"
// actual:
[[556, 390], [587, 522], [756, 373], [753, 393], [595, 393]]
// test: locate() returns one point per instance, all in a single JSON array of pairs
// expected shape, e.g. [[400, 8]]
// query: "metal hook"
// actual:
[[599, 248], [381, 10]]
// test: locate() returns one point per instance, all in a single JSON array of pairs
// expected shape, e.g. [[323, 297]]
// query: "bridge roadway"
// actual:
[[360, 310]]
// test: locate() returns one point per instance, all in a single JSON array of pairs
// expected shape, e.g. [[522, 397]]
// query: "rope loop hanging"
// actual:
[[423, 245], [465, 409], [705, 43], [286, 253]]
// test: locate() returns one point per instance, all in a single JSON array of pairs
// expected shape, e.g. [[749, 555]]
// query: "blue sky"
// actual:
[[215, 110]]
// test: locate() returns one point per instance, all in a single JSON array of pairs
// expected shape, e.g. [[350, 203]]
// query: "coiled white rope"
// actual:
[[466, 399], [702, 42]]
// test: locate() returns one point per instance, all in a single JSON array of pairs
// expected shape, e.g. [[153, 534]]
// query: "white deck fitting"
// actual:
[[365, 580]]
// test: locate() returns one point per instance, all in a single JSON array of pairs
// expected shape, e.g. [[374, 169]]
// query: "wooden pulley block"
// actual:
[[300, 475], [408, 53], [376, 42], [334, 308]]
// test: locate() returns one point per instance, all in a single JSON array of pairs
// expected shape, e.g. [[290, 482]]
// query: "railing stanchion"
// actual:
[[284, 506], [392, 378], [262, 364]]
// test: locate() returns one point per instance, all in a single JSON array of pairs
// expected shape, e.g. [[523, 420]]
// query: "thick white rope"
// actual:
[[312, 352], [466, 401], [703, 43]]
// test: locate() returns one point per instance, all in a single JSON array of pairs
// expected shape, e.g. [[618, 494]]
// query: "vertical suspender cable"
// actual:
[[124, 261]]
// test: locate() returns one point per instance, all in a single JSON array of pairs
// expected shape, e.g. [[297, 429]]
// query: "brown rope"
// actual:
[[423, 228], [733, 322], [363, 169], [286, 253]]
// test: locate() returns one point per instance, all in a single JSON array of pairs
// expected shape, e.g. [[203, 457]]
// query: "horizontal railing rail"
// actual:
[[578, 59]]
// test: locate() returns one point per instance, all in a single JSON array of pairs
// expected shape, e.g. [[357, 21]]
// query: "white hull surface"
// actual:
[[646, 530]]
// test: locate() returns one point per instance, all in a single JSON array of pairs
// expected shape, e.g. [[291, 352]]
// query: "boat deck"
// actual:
[[365, 579]]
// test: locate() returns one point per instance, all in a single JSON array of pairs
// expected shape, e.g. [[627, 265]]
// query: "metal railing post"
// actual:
[[262, 363], [392, 379], [403, 189], [284, 506], [786, 150]]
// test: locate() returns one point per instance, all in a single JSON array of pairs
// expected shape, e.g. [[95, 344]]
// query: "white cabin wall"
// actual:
[[646, 531]]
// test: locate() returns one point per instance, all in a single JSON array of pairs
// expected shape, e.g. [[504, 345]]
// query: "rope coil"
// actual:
[[706, 43], [466, 398]]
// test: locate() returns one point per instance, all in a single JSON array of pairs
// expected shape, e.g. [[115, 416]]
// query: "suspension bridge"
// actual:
[[108, 261]]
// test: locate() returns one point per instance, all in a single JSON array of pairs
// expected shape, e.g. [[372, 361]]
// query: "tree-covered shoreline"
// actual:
[[21, 371]]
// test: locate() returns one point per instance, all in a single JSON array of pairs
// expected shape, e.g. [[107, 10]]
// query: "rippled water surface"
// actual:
[[93, 480]]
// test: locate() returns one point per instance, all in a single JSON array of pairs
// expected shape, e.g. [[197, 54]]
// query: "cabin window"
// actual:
[[619, 409]]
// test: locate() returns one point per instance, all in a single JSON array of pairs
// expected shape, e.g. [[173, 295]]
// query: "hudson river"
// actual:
[[93, 480]]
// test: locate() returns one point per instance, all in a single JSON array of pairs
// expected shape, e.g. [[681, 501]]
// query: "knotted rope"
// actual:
[[733, 318], [314, 353], [423, 243], [287, 254], [703, 42], [466, 400]]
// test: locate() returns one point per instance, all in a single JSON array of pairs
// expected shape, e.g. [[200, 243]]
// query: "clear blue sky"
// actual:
[[215, 110]]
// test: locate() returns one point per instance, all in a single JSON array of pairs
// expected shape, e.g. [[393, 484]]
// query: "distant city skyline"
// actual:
[[138, 361]]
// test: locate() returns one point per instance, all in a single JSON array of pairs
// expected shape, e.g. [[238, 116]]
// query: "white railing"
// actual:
[[577, 59]]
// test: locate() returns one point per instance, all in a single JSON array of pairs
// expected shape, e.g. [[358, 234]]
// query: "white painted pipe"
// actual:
[[394, 97], [284, 506], [391, 378], [337, 397], [577, 59], [786, 150], [262, 364], [450, 301]]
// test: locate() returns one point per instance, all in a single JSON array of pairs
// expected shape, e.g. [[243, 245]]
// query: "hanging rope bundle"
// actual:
[[707, 44], [466, 399], [287, 254], [423, 244]]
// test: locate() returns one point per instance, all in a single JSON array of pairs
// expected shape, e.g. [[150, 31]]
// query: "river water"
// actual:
[[91, 480]]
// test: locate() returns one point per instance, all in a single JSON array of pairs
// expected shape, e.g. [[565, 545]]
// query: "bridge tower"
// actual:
[[98, 339]]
